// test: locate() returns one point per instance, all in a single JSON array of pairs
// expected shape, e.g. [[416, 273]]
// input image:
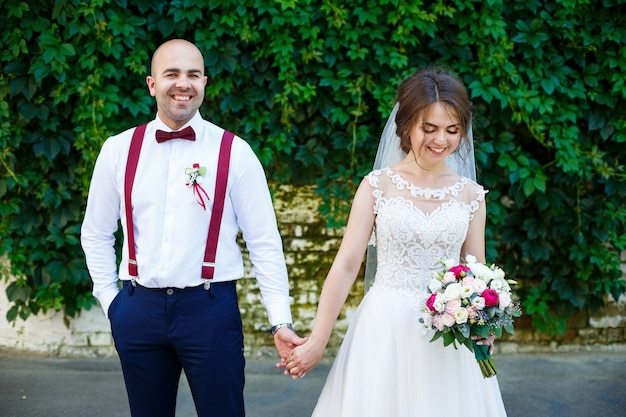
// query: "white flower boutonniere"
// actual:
[[195, 175]]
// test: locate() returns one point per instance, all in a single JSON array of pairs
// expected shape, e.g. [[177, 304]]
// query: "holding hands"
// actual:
[[285, 340], [303, 358]]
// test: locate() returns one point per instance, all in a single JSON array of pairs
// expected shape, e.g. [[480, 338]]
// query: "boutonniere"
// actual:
[[195, 174]]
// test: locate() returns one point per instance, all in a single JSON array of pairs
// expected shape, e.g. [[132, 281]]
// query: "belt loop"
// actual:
[[208, 288], [131, 287]]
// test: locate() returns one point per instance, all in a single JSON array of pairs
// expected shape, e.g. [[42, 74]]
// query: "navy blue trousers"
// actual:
[[160, 332]]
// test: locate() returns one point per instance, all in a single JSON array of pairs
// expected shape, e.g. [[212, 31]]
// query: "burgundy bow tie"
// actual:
[[187, 133]]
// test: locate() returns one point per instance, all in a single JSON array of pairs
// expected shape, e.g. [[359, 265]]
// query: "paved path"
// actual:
[[583, 384]]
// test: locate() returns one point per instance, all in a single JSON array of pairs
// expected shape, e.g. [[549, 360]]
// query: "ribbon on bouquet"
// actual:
[[484, 359]]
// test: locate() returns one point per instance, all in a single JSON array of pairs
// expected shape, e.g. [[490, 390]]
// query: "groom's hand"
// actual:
[[286, 340]]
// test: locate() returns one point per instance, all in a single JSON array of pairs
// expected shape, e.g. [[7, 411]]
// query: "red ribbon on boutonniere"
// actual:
[[194, 178]]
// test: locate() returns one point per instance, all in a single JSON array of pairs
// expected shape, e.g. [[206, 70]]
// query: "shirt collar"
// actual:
[[195, 122]]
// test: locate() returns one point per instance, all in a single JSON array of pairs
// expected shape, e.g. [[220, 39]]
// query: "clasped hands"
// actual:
[[302, 356]]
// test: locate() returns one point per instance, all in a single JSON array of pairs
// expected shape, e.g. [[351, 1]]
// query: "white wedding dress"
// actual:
[[387, 366]]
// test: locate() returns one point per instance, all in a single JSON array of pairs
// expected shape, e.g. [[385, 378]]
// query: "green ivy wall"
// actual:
[[309, 85]]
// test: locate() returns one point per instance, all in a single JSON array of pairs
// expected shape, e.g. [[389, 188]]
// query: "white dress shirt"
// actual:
[[171, 226]]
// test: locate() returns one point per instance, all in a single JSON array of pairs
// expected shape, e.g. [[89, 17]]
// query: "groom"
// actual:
[[177, 308]]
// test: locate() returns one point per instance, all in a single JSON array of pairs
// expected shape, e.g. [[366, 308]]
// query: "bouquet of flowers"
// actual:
[[470, 299]]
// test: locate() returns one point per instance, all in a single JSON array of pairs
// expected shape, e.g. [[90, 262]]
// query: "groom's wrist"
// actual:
[[279, 326]]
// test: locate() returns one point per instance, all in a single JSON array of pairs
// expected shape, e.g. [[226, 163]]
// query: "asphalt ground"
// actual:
[[577, 384]]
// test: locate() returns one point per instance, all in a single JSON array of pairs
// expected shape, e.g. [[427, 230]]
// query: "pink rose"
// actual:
[[448, 320], [459, 271], [491, 297], [448, 277], [431, 301], [468, 280], [452, 306], [479, 285], [438, 322]]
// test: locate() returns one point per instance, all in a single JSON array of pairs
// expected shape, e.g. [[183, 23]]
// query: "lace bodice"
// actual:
[[416, 227]]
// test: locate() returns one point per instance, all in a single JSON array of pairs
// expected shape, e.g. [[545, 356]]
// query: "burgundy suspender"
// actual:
[[129, 178], [223, 164], [208, 266]]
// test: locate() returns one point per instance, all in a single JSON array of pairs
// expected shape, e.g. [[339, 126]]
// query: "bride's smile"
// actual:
[[436, 136]]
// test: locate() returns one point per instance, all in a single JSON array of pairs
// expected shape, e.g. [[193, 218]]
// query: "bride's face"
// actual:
[[436, 135]]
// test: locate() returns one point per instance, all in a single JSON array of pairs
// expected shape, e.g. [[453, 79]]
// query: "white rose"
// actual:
[[505, 300], [471, 259], [460, 316], [452, 291], [435, 285]]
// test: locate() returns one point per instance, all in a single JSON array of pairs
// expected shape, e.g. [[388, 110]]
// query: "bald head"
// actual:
[[166, 48], [177, 81]]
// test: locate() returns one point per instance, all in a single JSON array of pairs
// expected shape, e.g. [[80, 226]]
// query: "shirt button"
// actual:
[[170, 291]]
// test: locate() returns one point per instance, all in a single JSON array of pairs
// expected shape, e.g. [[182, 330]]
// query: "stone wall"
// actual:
[[309, 250]]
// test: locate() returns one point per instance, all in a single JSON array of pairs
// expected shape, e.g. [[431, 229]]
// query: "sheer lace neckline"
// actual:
[[435, 193]]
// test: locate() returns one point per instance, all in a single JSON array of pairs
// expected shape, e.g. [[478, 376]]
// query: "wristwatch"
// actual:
[[276, 327]]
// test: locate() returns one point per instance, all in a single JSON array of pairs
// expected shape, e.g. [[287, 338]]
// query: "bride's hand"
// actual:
[[489, 341], [304, 358]]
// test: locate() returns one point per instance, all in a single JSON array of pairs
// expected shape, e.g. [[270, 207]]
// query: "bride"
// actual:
[[419, 205]]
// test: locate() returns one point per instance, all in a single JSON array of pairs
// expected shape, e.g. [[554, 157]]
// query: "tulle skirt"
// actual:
[[386, 366]]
